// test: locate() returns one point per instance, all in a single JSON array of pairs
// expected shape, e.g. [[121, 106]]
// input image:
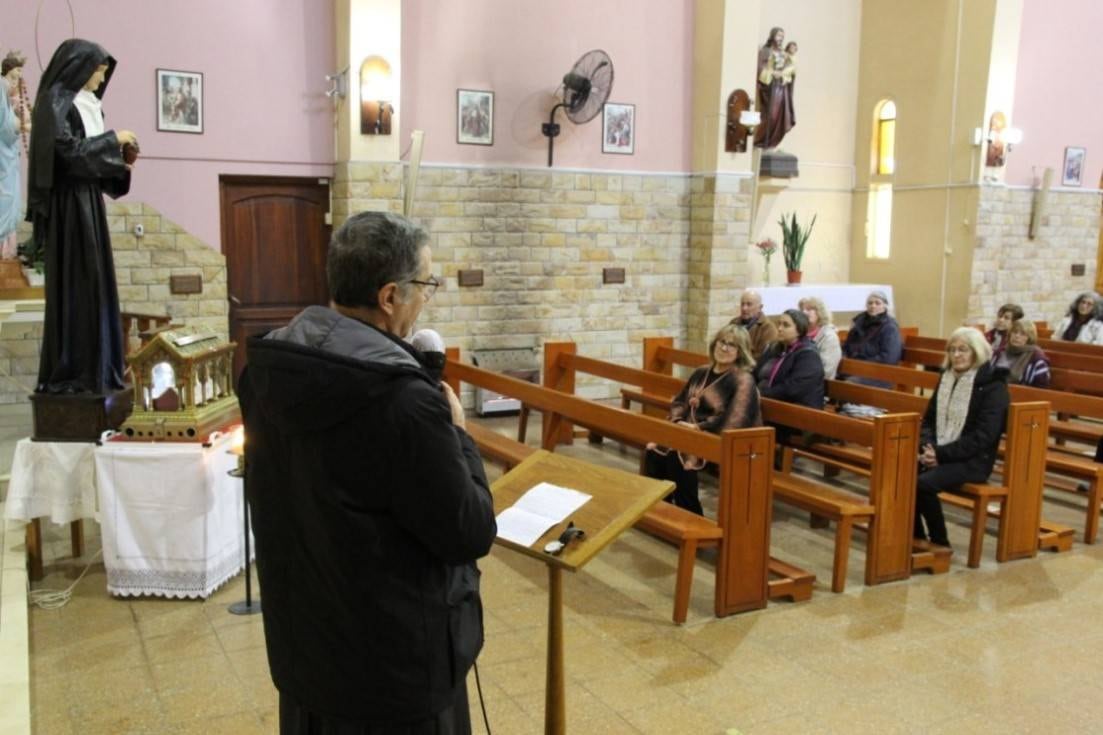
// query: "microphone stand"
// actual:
[[248, 606]]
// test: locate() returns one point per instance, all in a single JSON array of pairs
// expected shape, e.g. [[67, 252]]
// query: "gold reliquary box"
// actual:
[[183, 387]]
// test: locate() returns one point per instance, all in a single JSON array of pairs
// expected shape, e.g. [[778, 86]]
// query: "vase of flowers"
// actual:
[[793, 240], [767, 247]]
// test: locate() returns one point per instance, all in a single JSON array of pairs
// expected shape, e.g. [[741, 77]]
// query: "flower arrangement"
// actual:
[[767, 247]]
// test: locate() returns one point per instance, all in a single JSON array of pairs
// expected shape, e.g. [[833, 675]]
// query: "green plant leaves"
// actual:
[[793, 239]]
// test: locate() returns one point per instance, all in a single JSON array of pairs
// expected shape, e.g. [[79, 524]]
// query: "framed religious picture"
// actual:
[[179, 101], [1072, 173], [618, 128], [474, 117]]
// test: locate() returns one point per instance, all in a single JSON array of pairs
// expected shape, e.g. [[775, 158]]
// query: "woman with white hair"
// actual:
[[961, 430], [824, 335], [1084, 321]]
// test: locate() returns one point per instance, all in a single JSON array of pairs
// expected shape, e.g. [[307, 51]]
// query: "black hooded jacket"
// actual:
[[984, 423], [369, 510], [68, 174]]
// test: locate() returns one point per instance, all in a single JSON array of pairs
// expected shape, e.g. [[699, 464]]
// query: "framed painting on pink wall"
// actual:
[[618, 128], [474, 117], [179, 101], [1072, 173]]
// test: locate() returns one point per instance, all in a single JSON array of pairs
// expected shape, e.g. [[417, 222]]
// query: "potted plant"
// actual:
[[793, 240]]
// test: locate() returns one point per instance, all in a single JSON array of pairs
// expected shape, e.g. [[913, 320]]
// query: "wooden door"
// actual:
[[274, 235]]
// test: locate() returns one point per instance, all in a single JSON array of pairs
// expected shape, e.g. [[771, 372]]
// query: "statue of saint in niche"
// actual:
[[777, 69], [73, 162]]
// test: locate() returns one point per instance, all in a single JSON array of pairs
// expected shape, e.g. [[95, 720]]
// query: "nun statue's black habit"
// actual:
[[69, 170]]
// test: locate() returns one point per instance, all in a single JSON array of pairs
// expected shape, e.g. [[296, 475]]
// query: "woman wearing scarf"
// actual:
[[791, 369], [997, 335], [1084, 321], [824, 336], [73, 162], [1024, 361], [719, 396], [961, 429]]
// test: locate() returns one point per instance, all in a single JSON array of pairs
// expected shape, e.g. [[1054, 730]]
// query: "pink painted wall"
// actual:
[[263, 65], [521, 50], [1057, 89]]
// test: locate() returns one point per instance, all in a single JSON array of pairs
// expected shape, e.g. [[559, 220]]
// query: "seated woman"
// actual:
[[961, 429], [824, 336], [874, 336], [997, 335], [1084, 321], [1024, 360], [790, 369], [717, 397]]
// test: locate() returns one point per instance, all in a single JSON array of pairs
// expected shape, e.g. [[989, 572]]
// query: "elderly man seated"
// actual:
[[762, 331]]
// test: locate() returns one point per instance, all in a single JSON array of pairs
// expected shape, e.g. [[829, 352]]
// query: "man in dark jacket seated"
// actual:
[[370, 505]]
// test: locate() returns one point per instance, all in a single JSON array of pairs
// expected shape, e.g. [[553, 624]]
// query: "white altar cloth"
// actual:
[[52, 480], [170, 516], [839, 297]]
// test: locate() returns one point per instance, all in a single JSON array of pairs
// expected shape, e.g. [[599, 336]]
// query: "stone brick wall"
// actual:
[[19, 363], [143, 266], [542, 238], [1010, 267]]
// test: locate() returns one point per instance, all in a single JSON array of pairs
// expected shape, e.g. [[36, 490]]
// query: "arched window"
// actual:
[[879, 210], [886, 138]]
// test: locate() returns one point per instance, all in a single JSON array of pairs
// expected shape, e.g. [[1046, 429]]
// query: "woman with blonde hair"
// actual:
[[824, 335], [718, 396], [1024, 360], [961, 429]]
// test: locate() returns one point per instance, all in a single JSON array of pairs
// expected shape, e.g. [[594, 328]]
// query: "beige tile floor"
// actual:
[[1010, 648]]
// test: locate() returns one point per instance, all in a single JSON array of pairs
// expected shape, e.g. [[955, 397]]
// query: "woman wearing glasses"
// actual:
[[961, 429], [716, 397]]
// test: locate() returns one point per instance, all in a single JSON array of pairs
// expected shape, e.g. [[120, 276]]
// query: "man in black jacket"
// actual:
[[370, 505]]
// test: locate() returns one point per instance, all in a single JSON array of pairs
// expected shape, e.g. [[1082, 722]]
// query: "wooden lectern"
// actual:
[[619, 499]]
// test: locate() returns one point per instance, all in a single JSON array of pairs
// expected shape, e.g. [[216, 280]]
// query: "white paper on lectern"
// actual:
[[538, 510]]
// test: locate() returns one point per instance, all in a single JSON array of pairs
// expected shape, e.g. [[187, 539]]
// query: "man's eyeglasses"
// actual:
[[432, 285]]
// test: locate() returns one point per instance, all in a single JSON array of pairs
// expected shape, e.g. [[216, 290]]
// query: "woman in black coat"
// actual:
[[791, 370], [961, 430]]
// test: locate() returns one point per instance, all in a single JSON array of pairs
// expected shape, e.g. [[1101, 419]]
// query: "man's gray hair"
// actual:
[[369, 251]]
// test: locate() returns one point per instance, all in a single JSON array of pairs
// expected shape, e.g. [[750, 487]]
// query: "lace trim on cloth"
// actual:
[[179, 584]]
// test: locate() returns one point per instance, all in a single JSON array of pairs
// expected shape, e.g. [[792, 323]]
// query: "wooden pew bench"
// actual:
[[892, 441], [976, 497], [744, 569], [1060, 464]]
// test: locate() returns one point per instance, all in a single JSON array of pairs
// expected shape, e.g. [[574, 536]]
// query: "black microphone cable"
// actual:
[[482, 702]]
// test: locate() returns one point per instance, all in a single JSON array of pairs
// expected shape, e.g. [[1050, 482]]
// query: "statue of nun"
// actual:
[[74, 161]]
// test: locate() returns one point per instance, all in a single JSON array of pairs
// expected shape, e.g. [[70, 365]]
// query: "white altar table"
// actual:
[[839, 297], [170, 516]]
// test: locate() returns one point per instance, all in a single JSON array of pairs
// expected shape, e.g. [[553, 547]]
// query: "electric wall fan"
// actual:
[[586, 87]]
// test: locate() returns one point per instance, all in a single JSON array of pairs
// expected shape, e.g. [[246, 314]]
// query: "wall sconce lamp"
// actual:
[[376, 89], [339, 82]]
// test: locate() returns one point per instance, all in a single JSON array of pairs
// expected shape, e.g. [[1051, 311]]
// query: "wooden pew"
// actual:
[[893, 444], [1050, 535], [889, 509], [743, 456], [1072, 348], [1061, 378], [1059, 357]]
